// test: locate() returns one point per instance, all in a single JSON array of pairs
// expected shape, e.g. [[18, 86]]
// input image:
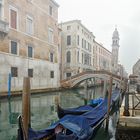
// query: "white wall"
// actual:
[[41, 72]]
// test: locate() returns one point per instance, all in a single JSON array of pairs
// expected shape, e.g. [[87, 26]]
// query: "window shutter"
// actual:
[[13, 19]]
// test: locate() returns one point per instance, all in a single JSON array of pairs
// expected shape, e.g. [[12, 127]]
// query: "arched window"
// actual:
[[68, 57]]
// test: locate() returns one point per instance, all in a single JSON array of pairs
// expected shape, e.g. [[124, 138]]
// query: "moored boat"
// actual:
[[72, 127], [79, 110]]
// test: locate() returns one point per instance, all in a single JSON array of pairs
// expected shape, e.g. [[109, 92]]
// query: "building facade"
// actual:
[[115, 51], [136, 70], [121, 71], [77, 48], [29, 43], [102, 57]]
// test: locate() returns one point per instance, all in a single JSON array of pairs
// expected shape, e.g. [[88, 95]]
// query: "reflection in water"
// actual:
[[113, 122], [8, 119], [43, 110], [12, 115]]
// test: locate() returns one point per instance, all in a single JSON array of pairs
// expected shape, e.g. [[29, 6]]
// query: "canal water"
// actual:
[[43, 111]]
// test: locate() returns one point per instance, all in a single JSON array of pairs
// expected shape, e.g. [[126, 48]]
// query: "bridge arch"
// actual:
[[77, 79], [86, 77]]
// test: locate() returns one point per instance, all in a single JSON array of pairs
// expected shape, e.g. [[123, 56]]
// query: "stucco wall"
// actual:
[[41, 72]]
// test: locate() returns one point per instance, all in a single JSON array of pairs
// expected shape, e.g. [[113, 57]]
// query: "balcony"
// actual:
[[4, 28]]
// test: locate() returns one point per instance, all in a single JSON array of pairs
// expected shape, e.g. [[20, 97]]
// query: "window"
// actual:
[[82, 42], [78, 40], [68, 40], [30, 72], [68, 74], [85, 44], [50, 35], [13, 18], [29, 25], [30, 51], [88, 46], [50, 10], [82, 58], [14, 71], [68, 57], [68, 27], [78, 56], [13, 47], [51, 57], [52, 74], [78, 27]]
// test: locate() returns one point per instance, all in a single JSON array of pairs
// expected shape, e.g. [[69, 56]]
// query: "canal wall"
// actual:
[[4, 94], [33, 91]]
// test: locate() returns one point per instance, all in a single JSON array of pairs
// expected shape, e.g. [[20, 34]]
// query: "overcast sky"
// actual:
[[101, 16]]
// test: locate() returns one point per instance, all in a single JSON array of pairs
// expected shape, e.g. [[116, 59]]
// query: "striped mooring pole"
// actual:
[[9, 84]]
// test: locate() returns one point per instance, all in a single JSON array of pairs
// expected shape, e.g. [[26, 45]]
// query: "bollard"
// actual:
[[26, 105], [109, 102], [126, 106], [133, 107]]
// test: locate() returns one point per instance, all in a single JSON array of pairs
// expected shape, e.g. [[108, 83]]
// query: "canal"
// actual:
[[43, 111]]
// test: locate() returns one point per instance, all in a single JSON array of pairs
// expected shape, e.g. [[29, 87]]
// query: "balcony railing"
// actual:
[[4, 27]]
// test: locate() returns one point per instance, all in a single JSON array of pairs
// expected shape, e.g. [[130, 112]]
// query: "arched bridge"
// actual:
[[73, 81]]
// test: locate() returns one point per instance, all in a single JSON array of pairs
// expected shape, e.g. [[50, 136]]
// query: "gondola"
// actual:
[[71, 127], [79, 110]]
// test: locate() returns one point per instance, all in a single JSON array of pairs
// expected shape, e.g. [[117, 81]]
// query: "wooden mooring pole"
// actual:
[[26, 105], [109, 101]]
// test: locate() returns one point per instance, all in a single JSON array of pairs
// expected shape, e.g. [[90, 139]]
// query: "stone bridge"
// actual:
[[73, 81]]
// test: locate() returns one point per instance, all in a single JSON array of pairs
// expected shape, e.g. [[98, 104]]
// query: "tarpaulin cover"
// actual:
[[80, 126], [79, 110]]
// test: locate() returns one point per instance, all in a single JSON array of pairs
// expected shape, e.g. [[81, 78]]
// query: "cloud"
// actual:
[[130, 46]]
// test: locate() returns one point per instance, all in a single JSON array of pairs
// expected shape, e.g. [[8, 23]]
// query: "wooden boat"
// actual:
[[71, 127], [78, 110]]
